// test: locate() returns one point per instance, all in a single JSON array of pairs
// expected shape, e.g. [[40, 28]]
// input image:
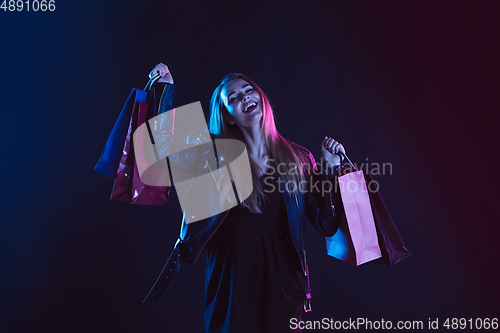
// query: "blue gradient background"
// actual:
[[414, 84]]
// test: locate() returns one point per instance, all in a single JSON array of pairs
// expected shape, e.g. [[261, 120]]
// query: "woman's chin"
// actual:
[[257, 112]]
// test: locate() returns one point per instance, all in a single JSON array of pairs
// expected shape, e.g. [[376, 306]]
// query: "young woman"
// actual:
[[256, 255]]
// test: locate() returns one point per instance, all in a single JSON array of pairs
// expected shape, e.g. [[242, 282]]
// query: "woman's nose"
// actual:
[[245, 97]]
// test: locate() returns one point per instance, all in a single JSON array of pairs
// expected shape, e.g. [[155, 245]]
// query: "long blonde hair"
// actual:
[[281, 150]]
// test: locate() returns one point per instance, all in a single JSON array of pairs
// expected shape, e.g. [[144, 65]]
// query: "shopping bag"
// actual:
[[356, 241], [391, 244], [343, 244], [128, 186], [143, 194], [112, 152]]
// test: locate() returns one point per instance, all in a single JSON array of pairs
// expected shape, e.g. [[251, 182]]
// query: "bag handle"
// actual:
[[151, 82], [344, 157]]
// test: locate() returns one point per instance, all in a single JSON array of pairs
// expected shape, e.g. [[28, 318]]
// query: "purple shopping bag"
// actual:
[[391, 244]]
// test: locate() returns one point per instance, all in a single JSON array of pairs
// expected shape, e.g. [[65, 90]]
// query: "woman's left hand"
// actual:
[[329, 150]]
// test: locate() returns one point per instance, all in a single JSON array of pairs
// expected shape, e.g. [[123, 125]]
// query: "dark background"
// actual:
[[414, 84]]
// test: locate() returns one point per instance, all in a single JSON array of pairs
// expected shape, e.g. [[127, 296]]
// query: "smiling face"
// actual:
[[243, 103]]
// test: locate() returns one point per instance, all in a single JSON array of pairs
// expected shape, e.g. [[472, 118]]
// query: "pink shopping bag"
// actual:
[[356, 241]]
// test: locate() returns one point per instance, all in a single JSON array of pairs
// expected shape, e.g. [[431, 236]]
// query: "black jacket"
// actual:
[[193, 237]]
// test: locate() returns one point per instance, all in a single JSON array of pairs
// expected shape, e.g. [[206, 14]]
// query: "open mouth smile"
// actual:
[[250, 107]]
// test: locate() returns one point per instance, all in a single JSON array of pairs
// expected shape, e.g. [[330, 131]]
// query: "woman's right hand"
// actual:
[[161, 70]]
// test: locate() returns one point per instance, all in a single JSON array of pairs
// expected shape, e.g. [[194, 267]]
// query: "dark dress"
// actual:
[[252, 279]]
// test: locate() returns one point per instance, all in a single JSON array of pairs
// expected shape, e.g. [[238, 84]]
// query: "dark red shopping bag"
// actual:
[[128, 186]]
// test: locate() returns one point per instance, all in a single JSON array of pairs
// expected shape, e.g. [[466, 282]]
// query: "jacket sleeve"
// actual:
[[321, 198], [165, 278]]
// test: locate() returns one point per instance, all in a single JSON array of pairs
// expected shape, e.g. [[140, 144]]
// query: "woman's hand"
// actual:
[[329, 150], [161, 70]]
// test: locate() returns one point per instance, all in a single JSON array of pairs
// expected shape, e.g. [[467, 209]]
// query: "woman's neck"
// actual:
[[254, 139]]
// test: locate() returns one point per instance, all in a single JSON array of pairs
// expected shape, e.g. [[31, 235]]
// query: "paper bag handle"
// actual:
[[344, 157]]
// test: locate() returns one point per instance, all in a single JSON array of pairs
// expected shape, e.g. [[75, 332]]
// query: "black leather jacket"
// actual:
[[194, 236]]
